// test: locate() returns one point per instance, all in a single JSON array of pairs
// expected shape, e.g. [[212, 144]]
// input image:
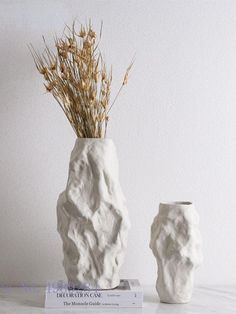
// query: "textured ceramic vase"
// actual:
[[176, 244], [92, 217]]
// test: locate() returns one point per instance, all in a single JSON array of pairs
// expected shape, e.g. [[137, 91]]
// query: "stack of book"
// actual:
[[128, 294]]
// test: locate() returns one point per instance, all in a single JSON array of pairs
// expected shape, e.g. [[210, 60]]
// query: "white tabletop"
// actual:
[[217, 299]]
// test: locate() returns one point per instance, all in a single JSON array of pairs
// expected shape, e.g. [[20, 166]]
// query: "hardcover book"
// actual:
[[128, 294]]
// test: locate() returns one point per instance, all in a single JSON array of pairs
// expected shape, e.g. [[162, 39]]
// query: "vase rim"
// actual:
[[94, 138], [181, 203]]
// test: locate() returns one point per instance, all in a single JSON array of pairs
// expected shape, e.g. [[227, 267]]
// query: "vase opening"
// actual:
[[177, 203]]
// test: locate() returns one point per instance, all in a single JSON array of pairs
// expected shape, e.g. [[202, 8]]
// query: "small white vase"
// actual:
[[92, 218], [176, 244]]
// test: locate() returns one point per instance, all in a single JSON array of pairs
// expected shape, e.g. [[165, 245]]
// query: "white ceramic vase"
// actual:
[[92, 218], [176, 244]]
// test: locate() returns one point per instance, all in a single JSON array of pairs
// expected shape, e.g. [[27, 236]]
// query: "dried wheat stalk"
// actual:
[[77, 77]]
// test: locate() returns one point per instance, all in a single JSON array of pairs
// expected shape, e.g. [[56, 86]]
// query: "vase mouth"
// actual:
[[94, 139], [181, 203]]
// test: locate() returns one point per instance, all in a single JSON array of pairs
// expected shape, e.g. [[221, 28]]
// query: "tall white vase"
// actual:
[[176, 244], [92, 217]]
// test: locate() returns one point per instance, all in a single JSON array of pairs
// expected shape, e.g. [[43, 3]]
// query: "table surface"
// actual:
[[217, 299]]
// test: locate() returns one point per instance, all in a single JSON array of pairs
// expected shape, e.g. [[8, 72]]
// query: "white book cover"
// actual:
[[128, 294]]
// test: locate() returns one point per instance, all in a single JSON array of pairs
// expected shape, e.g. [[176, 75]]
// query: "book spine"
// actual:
[[105, 300], [93, 304]]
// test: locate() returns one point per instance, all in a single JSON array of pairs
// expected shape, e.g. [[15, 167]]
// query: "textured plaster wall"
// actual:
[[174, 127]]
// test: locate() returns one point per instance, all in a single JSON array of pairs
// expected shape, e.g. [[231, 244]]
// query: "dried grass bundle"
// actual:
[[77, 77]]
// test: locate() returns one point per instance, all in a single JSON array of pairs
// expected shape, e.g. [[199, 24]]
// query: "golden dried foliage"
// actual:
[[77, 77]]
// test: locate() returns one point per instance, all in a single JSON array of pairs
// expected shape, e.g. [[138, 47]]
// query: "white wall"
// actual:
[[174, 127]]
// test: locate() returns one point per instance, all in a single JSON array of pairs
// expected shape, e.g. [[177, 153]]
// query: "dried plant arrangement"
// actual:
[[77, 77]]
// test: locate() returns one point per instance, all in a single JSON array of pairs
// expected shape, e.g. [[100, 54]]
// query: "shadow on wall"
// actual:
[[28, 173]]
